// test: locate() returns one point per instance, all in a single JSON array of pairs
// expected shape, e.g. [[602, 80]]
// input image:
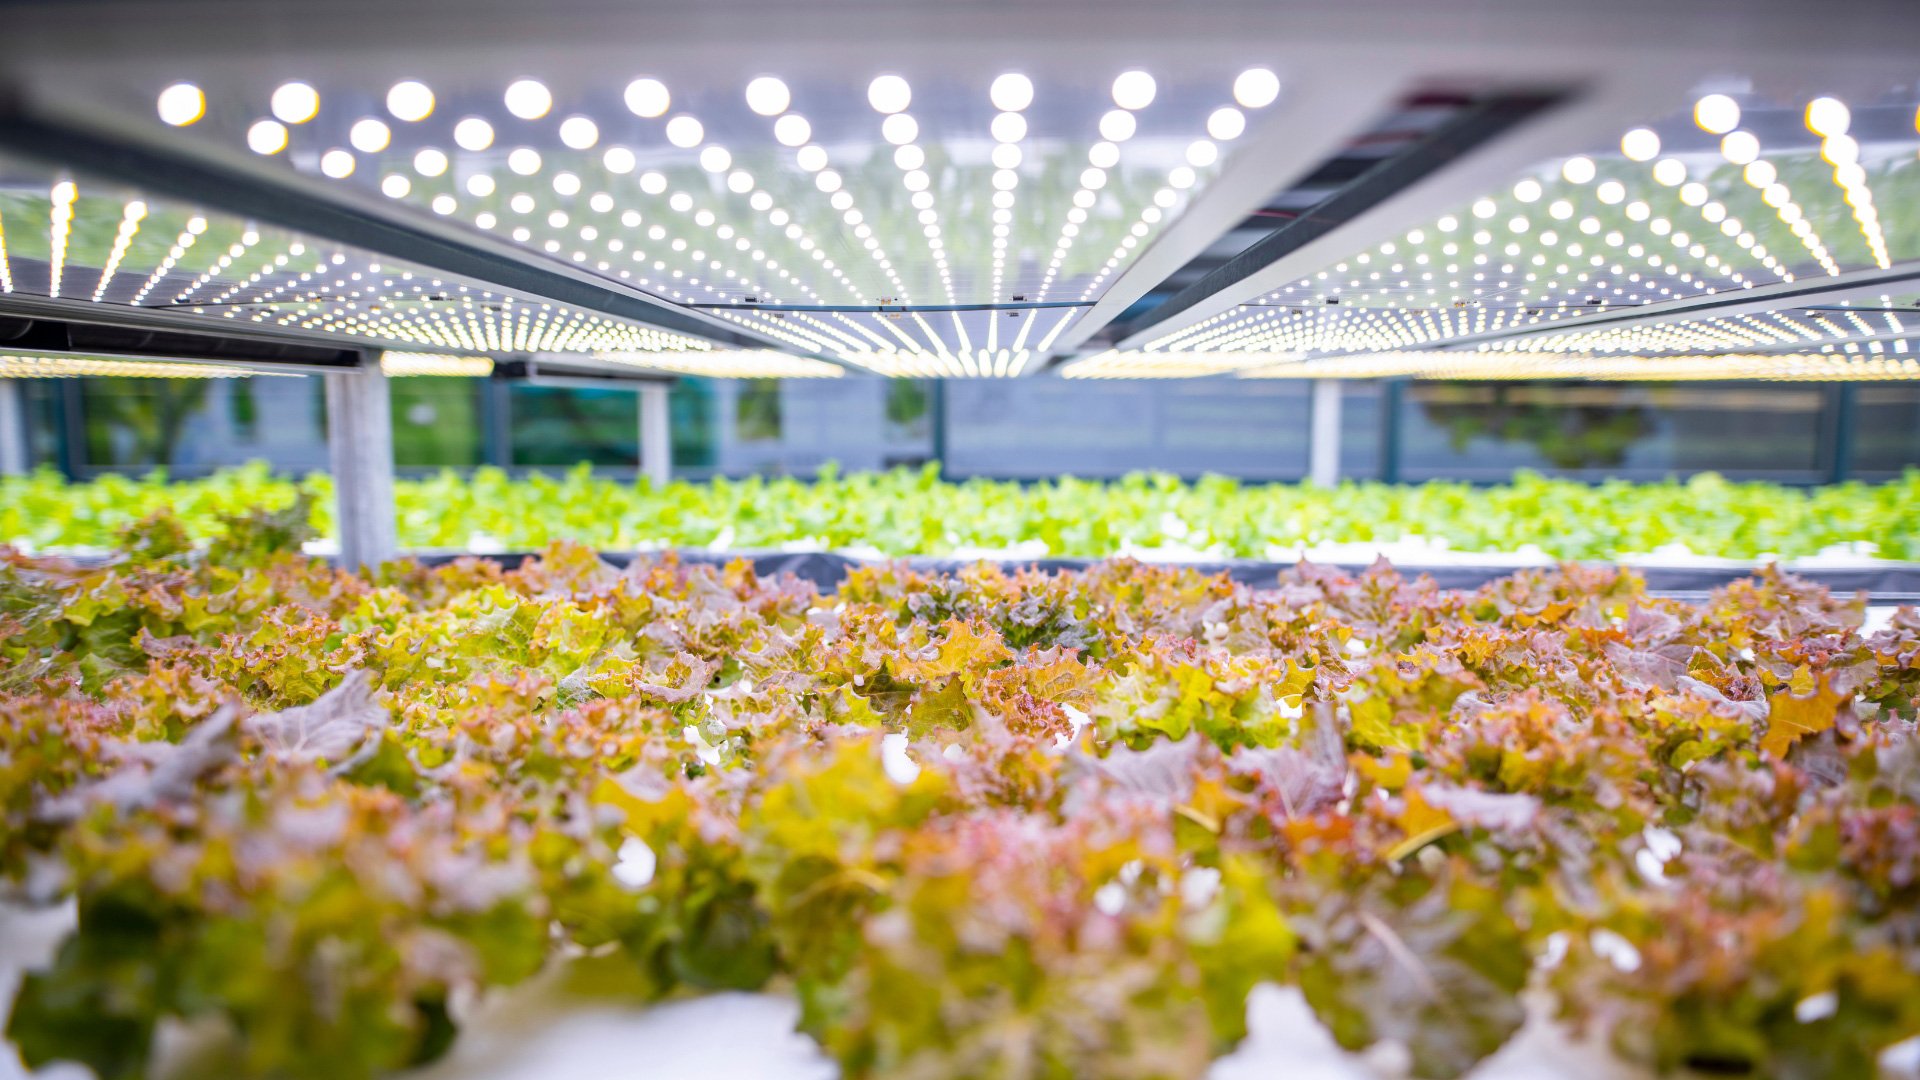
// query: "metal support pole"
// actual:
[[1840, 433], [496, 423], [1392, 392], [13, 429], [937, 423], [1323, 445], [360, 447], [656, 434]]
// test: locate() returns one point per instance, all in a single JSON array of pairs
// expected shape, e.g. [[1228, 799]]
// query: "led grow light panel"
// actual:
[[1848, 324], [68, 239], [729, 364], [851, 192], [1736, 193], [45, 365], [1792, 367]]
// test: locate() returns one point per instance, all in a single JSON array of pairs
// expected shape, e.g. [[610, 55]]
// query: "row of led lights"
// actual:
[[1804, 367], [1716, 113], [728, 364], [64, 197], [297, 103], [410, 101], [1745, 331], [1351, 330]]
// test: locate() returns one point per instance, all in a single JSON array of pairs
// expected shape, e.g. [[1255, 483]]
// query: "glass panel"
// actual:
[[1886, 430], [194, 425], [1046, 427], [436, 422], [1486, 431], [756, 411], [564, 425]]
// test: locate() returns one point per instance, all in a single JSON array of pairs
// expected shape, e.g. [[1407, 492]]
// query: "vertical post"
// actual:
[[1392, 392], [656, 434], [496, 423], [937, 422], [13, 429], [1323, 445], [70, 428], [360, 447], [1839, 432]]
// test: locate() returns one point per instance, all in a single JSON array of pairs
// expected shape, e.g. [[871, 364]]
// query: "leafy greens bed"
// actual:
[[914, 513], [320, 810]]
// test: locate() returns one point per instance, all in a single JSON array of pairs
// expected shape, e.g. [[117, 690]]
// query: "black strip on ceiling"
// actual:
[[39, 333], [1472, 126]]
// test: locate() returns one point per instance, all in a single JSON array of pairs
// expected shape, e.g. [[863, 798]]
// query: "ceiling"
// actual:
[[980, 189]]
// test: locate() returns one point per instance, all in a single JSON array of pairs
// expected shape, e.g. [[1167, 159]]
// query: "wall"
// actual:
[[1024, 429]]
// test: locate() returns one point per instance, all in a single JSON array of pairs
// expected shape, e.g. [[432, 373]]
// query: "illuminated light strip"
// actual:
[[977, 363], [190, 235], [6, 271], [61, 367], [1114, 364], [730, 364], [60, 228], [1843, 153], [1807, 367], [132, 215], [417, 363], [1701, 335], [1489, 271], [910, 159]]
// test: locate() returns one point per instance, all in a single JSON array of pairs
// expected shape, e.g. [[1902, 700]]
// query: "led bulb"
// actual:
[[1578, 170], [768, 96], [430, 162], [1669, 172], [524, 160], [889, 94], [792, 130], [579, 133], [1828, 116], [1226, 123], [685, 132], [295, 102], [1102, 155], [811, 158], [900, 129], [369, 136], [473, 133], [648, 98], [529, 99], [619, 160], [411, 101], [1256, 88], [181, 104], [716, 159], [337, 164], [1011, 92], [267, 137], [1133, 90], [1117, 125], [1640, 144], [1716, 113], [1009, 127], [1740, 147]]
